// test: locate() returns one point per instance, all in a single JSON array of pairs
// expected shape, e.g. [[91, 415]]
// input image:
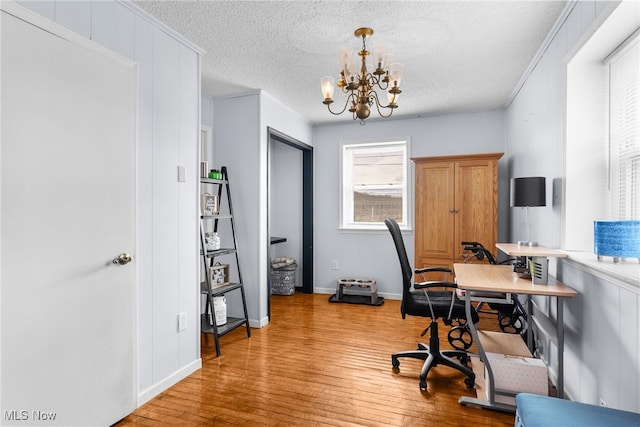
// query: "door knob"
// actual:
[[122, 259]]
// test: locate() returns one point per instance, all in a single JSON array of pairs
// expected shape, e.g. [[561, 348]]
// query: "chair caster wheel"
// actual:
[[395, 363], [470, 382]]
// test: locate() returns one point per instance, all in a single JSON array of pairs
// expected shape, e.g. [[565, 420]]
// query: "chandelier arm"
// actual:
[[374, 95], [374, 80], [346, 103]]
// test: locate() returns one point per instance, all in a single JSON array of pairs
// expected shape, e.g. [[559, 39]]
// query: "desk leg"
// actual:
[[490, 402], [560, 333], [530, 323]]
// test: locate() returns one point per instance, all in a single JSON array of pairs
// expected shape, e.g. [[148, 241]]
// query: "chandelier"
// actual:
[[360, 85]]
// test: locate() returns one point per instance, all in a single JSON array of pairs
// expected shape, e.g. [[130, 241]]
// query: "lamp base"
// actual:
[[526, 243]]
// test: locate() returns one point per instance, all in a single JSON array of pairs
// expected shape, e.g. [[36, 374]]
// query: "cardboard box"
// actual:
[[517, 374]]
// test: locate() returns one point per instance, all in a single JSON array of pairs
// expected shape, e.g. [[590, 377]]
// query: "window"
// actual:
[[601, 159], [374, 185], [624, 134], [601, 152]]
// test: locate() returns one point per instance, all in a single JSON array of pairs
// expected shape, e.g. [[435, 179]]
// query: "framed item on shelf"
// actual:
[[209, 204], [219, 275]]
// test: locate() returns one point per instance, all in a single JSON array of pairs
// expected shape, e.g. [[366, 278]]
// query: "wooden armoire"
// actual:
[[456, 200]]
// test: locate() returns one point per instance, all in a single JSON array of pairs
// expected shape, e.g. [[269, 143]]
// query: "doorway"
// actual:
[[298, 157]]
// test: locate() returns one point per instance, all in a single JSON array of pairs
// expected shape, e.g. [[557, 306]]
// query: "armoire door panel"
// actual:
[[435, 203], [476, 201]]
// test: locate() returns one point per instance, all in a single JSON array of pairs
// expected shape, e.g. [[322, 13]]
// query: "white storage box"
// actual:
[[517, 374]]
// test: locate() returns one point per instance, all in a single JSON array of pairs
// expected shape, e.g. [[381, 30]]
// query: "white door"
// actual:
[[68, 313]]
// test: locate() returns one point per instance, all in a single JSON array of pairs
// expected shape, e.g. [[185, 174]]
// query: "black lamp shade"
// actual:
[[530, 191]]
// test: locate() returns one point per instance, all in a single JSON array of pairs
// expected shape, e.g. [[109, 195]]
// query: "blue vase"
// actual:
[[617, 239]]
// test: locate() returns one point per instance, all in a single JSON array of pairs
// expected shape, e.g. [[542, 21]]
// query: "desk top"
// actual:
[[501, 278], [514, 249]]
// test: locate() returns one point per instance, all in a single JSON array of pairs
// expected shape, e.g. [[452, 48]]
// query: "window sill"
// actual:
[[626, 272], [371, 230]]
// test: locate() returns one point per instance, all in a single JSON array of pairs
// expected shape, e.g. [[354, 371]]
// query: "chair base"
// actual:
[[432, 356]]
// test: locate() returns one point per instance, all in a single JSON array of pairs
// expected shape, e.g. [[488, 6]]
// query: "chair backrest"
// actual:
[[407, 272]]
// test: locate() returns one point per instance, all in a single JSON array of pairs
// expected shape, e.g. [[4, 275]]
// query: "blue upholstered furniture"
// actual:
[[541, 411]]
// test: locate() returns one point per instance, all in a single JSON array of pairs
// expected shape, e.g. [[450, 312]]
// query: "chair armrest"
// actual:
[[435, 284], [433, 269]]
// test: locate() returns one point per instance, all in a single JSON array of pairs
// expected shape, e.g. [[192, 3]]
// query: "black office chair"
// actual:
[[433, 299]]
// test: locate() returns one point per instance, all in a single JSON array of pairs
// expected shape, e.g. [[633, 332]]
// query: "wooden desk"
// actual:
[[502, 279], [514, 249]]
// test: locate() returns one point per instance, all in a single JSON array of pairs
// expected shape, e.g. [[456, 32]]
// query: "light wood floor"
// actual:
[[319, 364]]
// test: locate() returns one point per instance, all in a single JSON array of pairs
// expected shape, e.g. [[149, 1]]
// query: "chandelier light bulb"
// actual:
[[393, 99], [379, 57], [327, 83], [395, 74]]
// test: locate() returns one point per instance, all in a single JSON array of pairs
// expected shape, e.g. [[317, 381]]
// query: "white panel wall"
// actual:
[[75, 15], [166, 131], [188, 155], [169, 129], [602, 338], [144, 58], [372, 254]]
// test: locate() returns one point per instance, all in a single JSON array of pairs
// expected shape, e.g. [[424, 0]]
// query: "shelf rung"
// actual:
[[219, 290], [217, 216], [213, 181], [218, 252], [502, 343], [232, 323]]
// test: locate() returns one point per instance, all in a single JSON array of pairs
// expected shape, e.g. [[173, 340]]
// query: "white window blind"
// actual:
[[624, 132]]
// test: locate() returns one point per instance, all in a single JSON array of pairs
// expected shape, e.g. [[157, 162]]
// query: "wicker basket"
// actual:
[[283, 280]]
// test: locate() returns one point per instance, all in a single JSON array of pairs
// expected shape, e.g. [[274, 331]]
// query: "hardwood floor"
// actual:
[[319, 364]]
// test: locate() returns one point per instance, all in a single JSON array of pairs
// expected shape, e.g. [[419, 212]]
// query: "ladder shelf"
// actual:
[[209, 258]]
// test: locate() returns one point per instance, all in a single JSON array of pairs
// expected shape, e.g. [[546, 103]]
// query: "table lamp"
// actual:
[[527, 192]]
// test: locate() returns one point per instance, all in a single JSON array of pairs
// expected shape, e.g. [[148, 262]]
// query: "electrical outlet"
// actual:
[[603, 403], [334, 264], [182, 321]]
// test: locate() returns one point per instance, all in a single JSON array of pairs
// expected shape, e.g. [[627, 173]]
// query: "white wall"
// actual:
[[285, 205], [169, 128], [602, 322], [372, 254], [240, 142]]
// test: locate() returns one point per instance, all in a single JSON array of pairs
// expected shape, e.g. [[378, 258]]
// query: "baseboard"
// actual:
[[156, 389], [259, 323]]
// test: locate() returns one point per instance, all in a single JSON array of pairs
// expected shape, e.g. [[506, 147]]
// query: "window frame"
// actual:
[[346, 204], [586, 138]]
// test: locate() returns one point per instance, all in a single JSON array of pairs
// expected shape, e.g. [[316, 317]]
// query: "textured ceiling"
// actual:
[[458, 55]]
